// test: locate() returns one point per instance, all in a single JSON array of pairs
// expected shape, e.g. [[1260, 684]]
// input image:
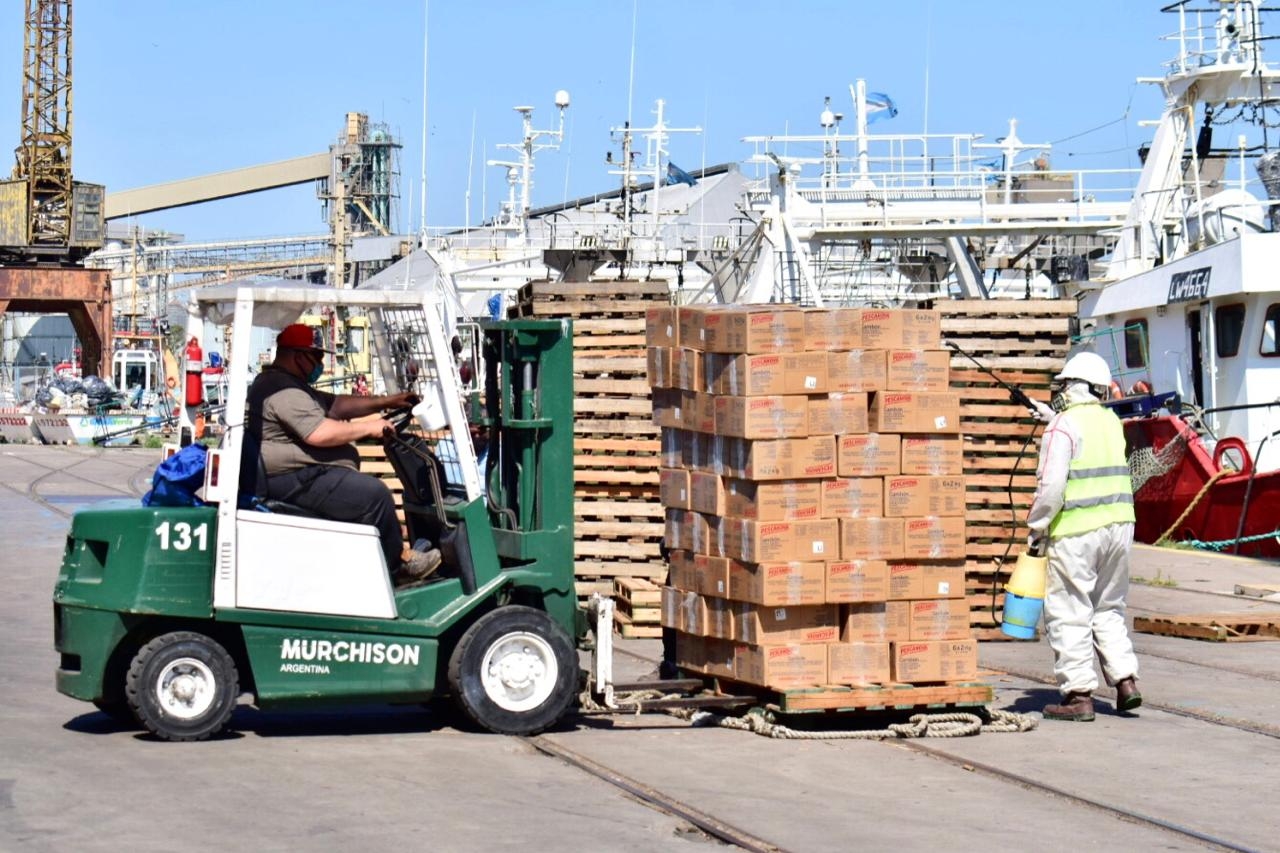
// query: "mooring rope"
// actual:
[[957, 724]]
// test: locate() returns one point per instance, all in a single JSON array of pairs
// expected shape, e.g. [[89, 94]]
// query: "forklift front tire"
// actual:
[[182, 686], [514, 672]]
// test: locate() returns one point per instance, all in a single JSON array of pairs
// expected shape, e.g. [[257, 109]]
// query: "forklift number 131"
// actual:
[[182, 536]]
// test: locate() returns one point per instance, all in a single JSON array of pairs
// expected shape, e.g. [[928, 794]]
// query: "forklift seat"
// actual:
[[253, 483]]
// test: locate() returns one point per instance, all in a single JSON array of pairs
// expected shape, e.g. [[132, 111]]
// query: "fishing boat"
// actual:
[[86, 428], [1188, 307]]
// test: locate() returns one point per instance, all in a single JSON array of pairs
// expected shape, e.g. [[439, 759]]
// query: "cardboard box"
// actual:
[[856, 581], [915, 411], [782, 583], [755, 541], [719, 657], [858, 663], [699, 411], [691, 325], [753, 329], [919, 370], [671, 598], [839, 413], [778, 459], [875, 622], [852, 497], [816, 539], [767, 373], [940, 619], [721, 618], [762, 417], [832, 329], [871, 539], [782, 667], [934, 538], [697, 451], [775, 500], [688, 531], [914, 495], [901, 328], [673, 488], [760, 624], [661, 326], [686, 369], [935, 455], [926, 580], [709, 575], [871, 455], [658, 363], [693, 614], [668, 408], [706, 493], [934, 660], [691, 652], [857, 370], [671, 448], [680, 573]]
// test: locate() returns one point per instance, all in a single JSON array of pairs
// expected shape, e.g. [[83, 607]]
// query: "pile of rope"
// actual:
[[958, 724]]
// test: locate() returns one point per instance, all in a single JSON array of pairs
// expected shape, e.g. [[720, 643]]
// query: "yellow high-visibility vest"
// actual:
[[1099, 491]]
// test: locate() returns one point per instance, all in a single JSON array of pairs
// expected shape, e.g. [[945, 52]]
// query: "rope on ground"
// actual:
[[1223, 544], [958, 724], [1204, 490]]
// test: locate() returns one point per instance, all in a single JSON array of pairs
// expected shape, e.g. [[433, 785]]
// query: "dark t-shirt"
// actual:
[[284, 410]]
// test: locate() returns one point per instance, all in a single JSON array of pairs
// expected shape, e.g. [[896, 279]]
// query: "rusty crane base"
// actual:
[[82, 294]]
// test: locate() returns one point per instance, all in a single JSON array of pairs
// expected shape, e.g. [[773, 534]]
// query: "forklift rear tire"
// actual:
[[182, 686], [514, 672]]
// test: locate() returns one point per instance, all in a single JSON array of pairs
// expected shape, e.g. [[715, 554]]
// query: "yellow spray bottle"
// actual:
[[1024, 595]]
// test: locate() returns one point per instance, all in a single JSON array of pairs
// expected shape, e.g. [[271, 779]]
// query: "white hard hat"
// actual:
[[1087, 367]]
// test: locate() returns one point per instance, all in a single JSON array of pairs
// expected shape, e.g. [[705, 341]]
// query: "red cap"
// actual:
[[298, 336]]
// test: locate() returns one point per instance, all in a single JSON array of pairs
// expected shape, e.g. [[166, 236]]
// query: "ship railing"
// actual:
[[1224, 34]]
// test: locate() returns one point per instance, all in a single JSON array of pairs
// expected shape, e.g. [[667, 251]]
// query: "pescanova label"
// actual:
[[1190, 285], [313, 656]]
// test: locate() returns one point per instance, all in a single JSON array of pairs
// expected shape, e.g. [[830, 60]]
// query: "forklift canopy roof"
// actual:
[[276, 304]]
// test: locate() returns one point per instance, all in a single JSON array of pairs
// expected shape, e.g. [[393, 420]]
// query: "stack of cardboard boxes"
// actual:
[[812, 475]]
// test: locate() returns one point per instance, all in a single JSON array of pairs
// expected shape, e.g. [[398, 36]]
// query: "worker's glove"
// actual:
[[1042, 411], [1037, 544]]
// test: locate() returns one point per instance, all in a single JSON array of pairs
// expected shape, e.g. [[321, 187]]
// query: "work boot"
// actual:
[[1127, 695], [417, 566], [1077, 707]]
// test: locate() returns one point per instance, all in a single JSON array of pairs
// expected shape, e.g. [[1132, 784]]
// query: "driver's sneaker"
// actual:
[[417, 566]]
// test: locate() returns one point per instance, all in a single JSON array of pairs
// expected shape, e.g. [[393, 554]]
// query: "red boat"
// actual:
[[1228, 499]]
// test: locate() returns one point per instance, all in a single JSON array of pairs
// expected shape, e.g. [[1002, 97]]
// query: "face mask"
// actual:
[[1058, 402], [315, 373]]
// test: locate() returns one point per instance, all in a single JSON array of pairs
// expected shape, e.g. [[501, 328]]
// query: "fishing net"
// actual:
[[1153, 460]]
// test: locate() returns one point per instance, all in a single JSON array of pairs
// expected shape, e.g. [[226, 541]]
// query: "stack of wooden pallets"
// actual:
[[619, 519], [1023, 342]]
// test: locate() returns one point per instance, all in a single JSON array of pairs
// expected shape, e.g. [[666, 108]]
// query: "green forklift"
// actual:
[[167, 615]]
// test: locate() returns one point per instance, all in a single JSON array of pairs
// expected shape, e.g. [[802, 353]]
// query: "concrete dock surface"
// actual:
[[1197, 767]]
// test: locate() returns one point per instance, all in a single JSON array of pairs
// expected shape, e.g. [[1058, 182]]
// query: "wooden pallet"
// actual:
[[627, 628], [875, 697], [619, 524], [1219, 627], [1024, 342]]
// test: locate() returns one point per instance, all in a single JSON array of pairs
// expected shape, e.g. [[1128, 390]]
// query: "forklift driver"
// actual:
[[305, 437]]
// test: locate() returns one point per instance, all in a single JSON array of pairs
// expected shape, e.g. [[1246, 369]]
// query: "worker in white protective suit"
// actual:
[[1083, 514]]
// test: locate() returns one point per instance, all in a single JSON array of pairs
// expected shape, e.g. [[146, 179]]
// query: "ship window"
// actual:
[[1135, 344], [1271, 331], [1228, 328]]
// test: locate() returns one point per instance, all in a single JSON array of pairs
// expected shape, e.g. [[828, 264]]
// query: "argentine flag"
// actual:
[[676, 175], [880, 105]]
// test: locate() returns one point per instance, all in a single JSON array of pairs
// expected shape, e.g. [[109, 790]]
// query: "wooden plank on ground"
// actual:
[[1219, 627]]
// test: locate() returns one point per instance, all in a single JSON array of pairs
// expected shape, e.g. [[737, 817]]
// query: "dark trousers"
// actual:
[[340, 494]]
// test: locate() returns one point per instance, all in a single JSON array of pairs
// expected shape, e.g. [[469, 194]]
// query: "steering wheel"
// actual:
[[400, 418]]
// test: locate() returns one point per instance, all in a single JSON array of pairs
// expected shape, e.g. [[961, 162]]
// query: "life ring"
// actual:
[[1142, 386], [170, 382], [1233, 443], [1116, 393]]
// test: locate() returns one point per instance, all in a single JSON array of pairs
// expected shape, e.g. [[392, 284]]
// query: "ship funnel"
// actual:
[[1269, 172]]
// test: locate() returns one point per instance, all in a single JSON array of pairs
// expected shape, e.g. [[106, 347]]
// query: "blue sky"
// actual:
[[167, 90]]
